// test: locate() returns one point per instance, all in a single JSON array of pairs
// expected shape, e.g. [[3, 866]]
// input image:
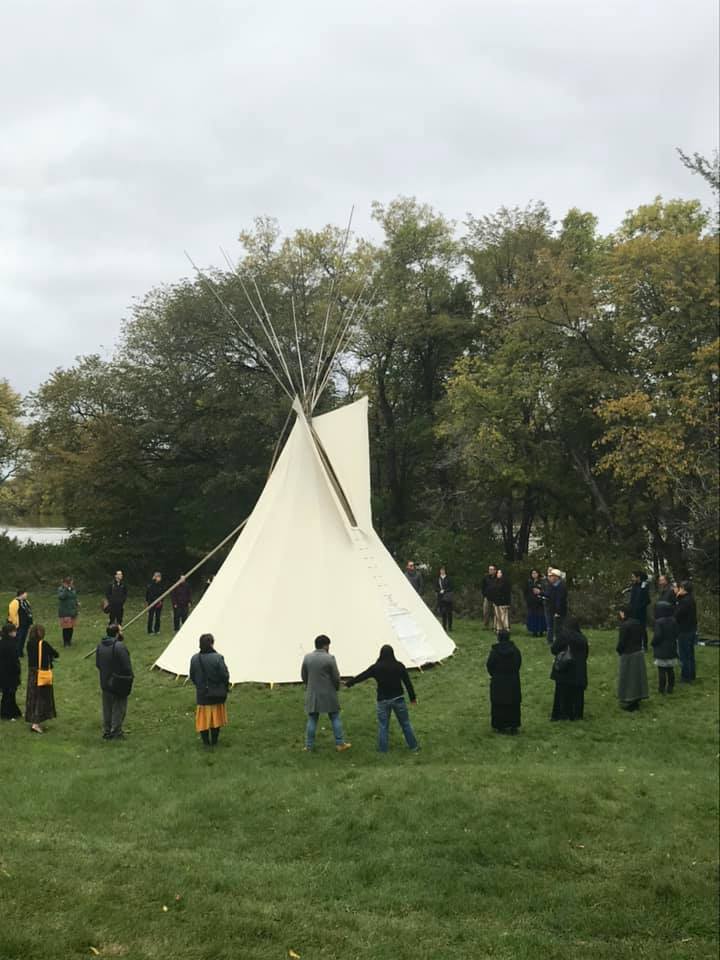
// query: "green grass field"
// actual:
[[595, 840]]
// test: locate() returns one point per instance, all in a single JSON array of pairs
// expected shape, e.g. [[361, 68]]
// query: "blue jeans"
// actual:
[[311, 729], [686, 654], [399, 708]]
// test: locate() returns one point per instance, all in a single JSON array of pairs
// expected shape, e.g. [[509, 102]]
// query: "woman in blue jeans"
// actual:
[[390, 676]]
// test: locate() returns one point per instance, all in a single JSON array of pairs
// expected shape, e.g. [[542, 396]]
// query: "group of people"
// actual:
[[673, 642], [116, 594]]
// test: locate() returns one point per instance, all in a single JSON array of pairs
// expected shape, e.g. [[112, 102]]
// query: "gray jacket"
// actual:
[[321, 677], [109, 660]]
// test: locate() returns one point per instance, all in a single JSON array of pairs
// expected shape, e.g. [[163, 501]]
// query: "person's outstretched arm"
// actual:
[[365, 675]]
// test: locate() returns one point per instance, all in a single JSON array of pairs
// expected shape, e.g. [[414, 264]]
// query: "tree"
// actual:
[[12, 432]]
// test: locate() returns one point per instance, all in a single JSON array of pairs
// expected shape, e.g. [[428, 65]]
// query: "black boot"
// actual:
[[205, 734], [214, 735]]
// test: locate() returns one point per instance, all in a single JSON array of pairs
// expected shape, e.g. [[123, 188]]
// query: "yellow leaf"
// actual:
[[293, 955], [95, 951]]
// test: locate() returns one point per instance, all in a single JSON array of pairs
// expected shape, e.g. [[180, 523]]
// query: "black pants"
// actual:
[[154, 620], [446, 612], [20, 635], [9, 709], [180, 615], [666, 679], [115, 613]]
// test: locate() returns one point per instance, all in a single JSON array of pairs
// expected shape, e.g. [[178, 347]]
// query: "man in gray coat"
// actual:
[[321, 677], [112, 659]]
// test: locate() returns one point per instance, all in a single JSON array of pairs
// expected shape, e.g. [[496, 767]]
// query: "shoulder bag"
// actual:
[[564, 661], [44, 677]]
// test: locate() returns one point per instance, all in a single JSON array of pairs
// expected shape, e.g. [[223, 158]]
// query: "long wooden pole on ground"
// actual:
[[184, 577]]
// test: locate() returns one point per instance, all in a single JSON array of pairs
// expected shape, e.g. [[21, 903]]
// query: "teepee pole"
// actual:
[[260, 353], [184, 577]]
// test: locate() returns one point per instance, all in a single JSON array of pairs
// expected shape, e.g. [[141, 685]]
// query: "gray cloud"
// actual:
[[133, 130]]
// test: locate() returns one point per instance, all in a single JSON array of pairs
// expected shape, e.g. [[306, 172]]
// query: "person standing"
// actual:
[[40, 695], [9, 673], [390, 676], [445, 599], [414, 577], [68, 607], [536, 624], [503, 665], [320, 674], [115, 596], [112, 659], [486, 588], [664, 644], [686, 620], [639, 600], [632, 673], [181, 599], [21, 616], [569, 671], [501, 595], [558, 603], [155, 589], [665, 590], [211, 678]]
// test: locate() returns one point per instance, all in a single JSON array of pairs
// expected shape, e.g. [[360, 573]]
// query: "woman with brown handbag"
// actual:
[[40, 699]]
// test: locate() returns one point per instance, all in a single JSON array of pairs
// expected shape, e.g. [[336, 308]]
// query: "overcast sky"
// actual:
[[132, 131]]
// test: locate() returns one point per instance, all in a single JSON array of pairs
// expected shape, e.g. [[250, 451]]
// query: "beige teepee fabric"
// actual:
[[300, 568]]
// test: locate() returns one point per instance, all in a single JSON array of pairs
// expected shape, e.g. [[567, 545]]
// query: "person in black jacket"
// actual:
[[557, 603], [39, 700], [664, 644], [488, 584], [154, 590], [536, 623], [503, 665], [632, 673], [445, 599], [501, 595], [112, 659], [115, 596], [639, 600], [569, 671], [211, 678], [181, 599], [9, 673], [390, 676], [686, 620]]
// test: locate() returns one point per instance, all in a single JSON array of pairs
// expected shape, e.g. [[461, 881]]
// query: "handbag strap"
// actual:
[[40, 643]]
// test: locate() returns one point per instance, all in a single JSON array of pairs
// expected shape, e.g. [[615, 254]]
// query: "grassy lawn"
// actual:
[[597, 839]]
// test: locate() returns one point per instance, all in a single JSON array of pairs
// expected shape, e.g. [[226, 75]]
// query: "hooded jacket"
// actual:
[[109, 661]]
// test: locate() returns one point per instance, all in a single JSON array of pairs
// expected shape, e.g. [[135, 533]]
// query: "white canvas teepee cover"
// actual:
[[300, 568]]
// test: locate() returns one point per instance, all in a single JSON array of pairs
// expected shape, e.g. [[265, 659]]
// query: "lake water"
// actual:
[[30, 534]]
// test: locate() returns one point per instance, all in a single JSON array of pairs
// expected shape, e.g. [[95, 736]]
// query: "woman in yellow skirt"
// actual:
[[211, 678]]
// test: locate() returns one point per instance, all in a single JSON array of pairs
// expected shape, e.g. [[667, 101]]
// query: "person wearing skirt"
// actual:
[[632, 672], [211, 678], [503, 665], [39, 701], [67, 609], [9, 673], [664, 644], [569, 671]]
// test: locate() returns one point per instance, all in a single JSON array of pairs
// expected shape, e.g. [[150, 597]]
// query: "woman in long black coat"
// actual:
[[569, 672], [9, 673], [503, 665], [632, 672]]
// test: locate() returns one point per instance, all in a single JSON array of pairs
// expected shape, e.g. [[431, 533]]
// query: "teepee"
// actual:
[[308, 560]]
